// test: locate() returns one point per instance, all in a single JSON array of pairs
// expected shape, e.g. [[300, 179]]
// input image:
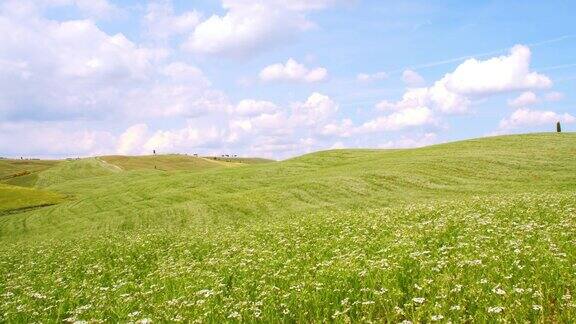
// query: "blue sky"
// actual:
[[277, 78]]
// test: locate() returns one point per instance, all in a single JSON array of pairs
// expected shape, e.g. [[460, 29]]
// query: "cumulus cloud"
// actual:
[[249, 127], [53, 139], [412, 78], [524, 99], [251, 25], [522, 118], [249, 107], [173, 100], [409, 117], [292, 71], [496, 75], [455, 92], [73, 69], [316, 108], [162, 22], [69, 67], [344, 128], [70, 70], [417, 97], [183, 140], [131, 141], [185, 73], [268, 133]]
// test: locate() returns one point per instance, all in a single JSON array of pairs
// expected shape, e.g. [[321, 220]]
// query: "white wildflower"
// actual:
[[456, 289], [498, 291], [495, 309], [144, 321], [537, 307], [419, 300], [38, 296], [436, 318]]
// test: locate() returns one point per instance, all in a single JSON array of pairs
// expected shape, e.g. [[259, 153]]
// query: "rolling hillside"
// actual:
[[42, 174], [325, 180], [384, 235], [175, 162], [23, 172]]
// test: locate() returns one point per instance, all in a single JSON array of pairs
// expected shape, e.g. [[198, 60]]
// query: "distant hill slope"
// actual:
[[172, 162], [23, 172], [330, 180], [44, 174], [67, 171]]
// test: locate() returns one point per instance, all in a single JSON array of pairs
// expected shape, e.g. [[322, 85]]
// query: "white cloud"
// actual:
[[69, 67], [162, 22], [315, 109], [455, 92], [523, 117], [409, 117], [343, 129], [72, 69], [446, 101], [365, 77], [412, 78], [191, 137], [249, 107], [174, 100], [132, 140], [53, 139], [524, 99], [185, 73], [292, 71], [251, 25], [496, 75], [416, 97]]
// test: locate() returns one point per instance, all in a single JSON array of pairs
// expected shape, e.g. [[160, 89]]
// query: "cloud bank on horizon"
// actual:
[[271, 78]]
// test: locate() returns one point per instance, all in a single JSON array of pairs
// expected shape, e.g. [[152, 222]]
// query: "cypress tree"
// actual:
[[558, 127]]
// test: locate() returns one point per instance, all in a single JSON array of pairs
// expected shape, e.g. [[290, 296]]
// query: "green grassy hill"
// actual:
[[169, 162], [15, 199], [22, 172], [479, 230], [44, 174]]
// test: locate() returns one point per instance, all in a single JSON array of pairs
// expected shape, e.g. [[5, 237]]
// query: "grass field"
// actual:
[[175, 162], [14, 198], [23, 172], [474, 231]]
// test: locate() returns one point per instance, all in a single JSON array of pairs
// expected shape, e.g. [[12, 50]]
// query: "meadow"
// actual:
[[474, 231]]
